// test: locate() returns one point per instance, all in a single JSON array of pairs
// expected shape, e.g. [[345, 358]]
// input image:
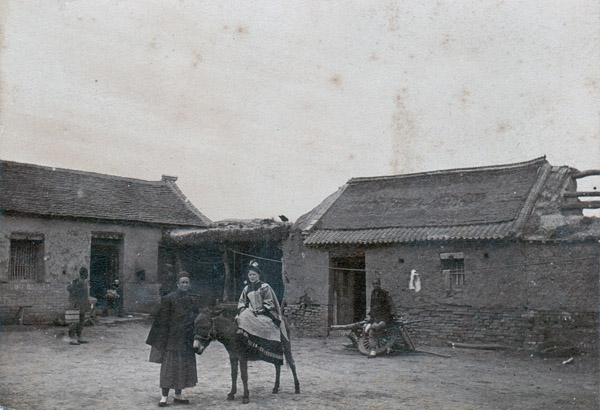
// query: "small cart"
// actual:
[[393, 337]]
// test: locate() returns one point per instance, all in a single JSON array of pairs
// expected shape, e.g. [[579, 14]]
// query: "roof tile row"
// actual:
[[403, 235]]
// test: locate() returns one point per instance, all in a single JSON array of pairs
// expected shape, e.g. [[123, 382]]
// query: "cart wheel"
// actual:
[[384, 339]]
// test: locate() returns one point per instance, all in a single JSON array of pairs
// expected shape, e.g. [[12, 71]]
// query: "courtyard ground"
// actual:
[[40, 370]]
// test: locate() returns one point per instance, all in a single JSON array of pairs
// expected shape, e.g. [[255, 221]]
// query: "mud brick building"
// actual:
[[503, 254], [55, 221]]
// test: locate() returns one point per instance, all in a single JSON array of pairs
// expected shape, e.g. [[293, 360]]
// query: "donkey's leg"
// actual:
[[244, 372], [277, 374], [234, 372], [287, 350], [296, 382]]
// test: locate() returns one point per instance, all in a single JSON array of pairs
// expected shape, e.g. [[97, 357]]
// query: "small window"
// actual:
[[26, 259], [453, 268]]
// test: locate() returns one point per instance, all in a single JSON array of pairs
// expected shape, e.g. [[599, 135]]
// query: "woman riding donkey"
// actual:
[[258, 332], [259, 319]]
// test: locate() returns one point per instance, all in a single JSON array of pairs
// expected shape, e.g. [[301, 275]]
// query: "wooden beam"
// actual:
[[589, 172], [582, 193], [583, 205], [478, 346], [178, 263]]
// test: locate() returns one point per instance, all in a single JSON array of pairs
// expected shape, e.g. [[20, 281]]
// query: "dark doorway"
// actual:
[[347, 292], [104, 266]]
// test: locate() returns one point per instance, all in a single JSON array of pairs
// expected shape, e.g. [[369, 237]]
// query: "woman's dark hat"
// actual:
[[253, 266]]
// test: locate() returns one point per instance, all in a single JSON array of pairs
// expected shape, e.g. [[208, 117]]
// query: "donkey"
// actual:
[[219, 325]]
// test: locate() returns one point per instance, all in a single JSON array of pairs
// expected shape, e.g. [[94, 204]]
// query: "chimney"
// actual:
[[168, 178]]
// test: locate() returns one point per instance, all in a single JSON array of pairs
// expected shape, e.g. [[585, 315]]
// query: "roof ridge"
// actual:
[[173, 186], [527, 208], [318, 215], [81, 172], [451, 170], [501, 221]]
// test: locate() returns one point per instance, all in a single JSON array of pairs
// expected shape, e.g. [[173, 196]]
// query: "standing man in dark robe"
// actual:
[[172, 338], [78, 297], [380, 314]]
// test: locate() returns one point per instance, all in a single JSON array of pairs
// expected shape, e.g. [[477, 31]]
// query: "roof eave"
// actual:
[[165, 224]]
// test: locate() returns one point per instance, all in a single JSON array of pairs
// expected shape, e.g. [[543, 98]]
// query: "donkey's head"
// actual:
[[204, 330]]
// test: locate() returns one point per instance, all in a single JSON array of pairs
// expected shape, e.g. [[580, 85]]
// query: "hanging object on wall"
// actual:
[[415, 281]]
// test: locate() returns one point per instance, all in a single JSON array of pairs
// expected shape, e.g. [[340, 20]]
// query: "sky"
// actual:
[[264, 108]]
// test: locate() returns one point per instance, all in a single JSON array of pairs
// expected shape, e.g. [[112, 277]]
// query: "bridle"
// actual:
[[212, 333], [210, 336]]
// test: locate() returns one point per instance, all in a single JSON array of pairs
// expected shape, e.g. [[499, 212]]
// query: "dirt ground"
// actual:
[[40, 370]]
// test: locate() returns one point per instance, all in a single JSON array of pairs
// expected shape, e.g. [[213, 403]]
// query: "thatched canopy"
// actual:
[[231, 230]]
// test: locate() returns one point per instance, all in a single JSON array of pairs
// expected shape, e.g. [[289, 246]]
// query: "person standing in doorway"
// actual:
[[78, 297], [172, 339]]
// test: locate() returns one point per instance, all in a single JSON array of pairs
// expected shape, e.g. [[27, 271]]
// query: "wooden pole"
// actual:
[[583, 205], [227, 283], [178, 262], [588, 173], [582, 193]]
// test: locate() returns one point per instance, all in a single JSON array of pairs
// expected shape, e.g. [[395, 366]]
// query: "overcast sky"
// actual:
[[264, 108]]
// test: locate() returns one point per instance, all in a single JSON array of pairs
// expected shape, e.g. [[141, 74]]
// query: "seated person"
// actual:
[[380, 314], [260, 326], [114, 298]]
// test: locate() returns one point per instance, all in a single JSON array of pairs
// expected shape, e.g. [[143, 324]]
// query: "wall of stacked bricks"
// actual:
[[520, 294], [67, 249]]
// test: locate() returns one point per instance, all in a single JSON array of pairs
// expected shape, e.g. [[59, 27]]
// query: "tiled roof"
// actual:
[[472, 203], [38, 190], [394, 235]]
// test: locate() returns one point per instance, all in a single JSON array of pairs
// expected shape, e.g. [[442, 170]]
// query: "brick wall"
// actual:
[[307, 320], [66, 249], [46, 300], [519, 328], [516, 293]]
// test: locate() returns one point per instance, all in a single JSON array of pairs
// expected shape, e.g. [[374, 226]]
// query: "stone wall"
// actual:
[[66, 249]]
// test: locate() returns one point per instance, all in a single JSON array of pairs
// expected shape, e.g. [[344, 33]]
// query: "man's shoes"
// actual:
[[74, 342], [181, 401], [81, 341], [373, 354], [162, 404]]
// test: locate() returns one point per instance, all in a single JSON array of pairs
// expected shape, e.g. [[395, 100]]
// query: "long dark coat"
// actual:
[[172, 338], [173, 327]]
